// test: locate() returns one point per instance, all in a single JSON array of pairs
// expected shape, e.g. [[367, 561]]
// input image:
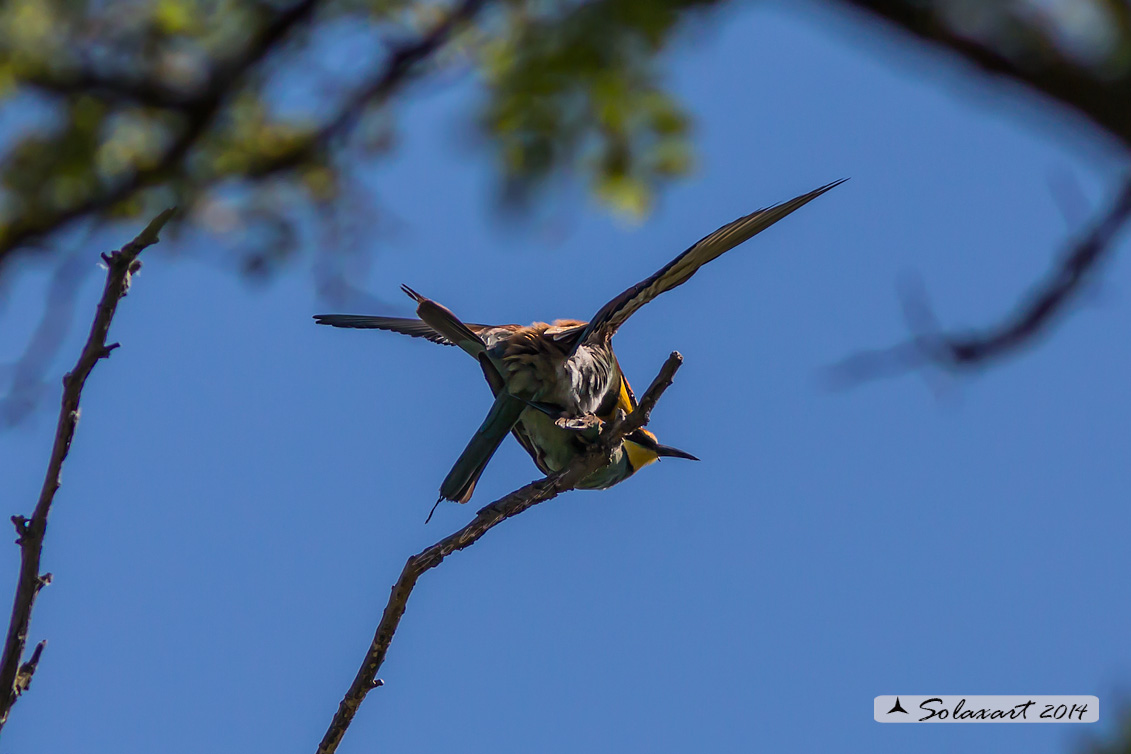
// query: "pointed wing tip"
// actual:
[[338, 320], [710, 247], [828, 186], [800, 201]]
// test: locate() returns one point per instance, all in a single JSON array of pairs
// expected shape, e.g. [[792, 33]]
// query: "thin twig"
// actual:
[[121, 264], [1033, 316], [486, 519]]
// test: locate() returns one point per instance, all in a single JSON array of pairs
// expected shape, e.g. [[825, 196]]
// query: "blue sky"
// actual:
[[245, 487]]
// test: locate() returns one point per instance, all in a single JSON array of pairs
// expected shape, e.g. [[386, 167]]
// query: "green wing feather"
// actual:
[[459, 484], [677, 272]]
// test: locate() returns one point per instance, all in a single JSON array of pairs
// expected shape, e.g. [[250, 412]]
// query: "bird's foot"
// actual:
[[580, 423]]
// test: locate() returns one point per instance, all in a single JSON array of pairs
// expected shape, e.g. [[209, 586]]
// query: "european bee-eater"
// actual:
[[550, 381]]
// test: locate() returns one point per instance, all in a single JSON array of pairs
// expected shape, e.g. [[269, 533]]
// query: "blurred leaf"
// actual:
[[574, 81], [627, 195]]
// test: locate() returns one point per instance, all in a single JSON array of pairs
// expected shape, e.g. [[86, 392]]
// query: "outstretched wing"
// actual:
[[414, 327], [437, 323], [679, 270]]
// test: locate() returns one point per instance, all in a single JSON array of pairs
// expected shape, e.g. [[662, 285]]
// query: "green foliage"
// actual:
[[579, 81], [156, 101], [139, 110]]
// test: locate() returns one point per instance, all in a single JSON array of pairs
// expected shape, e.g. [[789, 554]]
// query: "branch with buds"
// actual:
[[121, 266]]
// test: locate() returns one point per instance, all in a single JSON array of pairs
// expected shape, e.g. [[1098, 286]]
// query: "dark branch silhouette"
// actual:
[[486, 519], [381, 86], [1100, 94], [1033, 316], [1099, 97], [121, 264]]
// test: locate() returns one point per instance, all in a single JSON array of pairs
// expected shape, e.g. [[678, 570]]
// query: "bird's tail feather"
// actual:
[[442, 320], [460, 482]]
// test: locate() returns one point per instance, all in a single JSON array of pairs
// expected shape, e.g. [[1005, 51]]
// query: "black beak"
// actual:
[[669, 451]]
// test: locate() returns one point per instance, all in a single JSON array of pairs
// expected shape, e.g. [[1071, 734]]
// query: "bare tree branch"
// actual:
[[121, 265], [1033, 316], [1102, 99], [485, 520]]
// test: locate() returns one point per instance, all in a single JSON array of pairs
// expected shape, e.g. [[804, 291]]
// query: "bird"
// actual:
[[539, 427], [556, 384]]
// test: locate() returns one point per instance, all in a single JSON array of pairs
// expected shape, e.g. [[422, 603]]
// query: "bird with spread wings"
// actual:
[[553, 383]]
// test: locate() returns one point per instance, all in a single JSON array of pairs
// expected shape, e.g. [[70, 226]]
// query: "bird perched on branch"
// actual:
[[555, 384]]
